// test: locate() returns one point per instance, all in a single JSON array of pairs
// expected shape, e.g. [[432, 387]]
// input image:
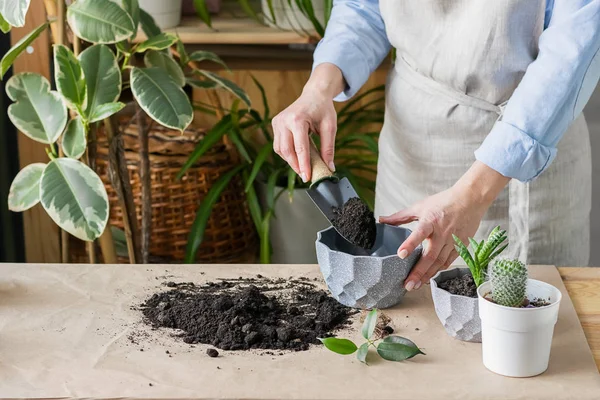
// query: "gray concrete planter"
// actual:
[[458, 314], [361, 279]]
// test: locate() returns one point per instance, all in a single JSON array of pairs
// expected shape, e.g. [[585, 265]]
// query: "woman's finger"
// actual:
[[430, 254], [287, 149], [451, 257], [302, 149], [327, 130], [423, 230], [438, 264], [401, 217]]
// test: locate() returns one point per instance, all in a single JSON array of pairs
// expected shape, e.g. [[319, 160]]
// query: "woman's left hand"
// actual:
[[457, 211]]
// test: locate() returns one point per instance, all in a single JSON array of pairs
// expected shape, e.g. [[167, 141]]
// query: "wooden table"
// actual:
[[583, 285]]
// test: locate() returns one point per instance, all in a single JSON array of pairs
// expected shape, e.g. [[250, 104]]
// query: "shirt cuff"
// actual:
[[347, 58], [514, 154]]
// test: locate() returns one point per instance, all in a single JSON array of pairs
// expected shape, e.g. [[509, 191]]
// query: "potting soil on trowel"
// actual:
[[356, 222]]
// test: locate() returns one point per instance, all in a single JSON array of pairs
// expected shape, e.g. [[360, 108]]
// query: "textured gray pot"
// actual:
[[361, 279], [458, 314]]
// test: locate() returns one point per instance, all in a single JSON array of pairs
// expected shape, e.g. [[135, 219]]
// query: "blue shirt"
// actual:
[[552, 93]]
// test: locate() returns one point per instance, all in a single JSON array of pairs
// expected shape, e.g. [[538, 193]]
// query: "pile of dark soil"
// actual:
[[242, 314], [460, 285], [356, 223]]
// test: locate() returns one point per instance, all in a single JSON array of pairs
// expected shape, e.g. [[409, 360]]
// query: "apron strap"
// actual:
[[518, 192]]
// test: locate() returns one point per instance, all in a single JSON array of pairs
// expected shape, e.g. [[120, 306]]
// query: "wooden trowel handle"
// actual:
[[320, 170]]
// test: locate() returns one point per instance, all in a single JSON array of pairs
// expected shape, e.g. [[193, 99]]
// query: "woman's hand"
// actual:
[[313, 111], [457, 211]]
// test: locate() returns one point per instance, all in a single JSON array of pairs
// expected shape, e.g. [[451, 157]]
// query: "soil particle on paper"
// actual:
[[356, 223], [242, 314], [460, 285]]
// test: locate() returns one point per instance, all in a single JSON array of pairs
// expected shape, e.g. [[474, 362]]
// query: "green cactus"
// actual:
[[483, 253], [509, 282]]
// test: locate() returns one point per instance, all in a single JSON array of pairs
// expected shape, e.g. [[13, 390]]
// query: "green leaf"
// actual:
[[396, 350], [161, 98], [104, 111], [103, 77], [74, 139], [120, 241], [158, 42], [133, 9], [12, 54], [38, 112], [167, 64], [24, 191], [75, 198], [265, 244], [14, 11], [309, 11], [203, 214], [201, 84], [227, 85], [253, 203], [210, 139], [327, 7], [149, 26], [247, 7], [260, 159], [200, 56], [69, 78], [401, 340], [291, 183], [339, 346], [184, 58], [264, 98], [99, 21], [369, 325], [235, 135], [202, 12], [271, 183], [4, 25], [271, 12], [362, 352]]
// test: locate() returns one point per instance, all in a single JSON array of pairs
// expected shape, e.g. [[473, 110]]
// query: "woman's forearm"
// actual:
[[326, 80], [482, 184]]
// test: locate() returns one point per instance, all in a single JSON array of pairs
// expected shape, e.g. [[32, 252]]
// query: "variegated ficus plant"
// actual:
[[88, 90]]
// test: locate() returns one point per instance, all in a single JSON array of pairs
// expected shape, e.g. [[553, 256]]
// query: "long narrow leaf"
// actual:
[[309, 11], [11, 55], [203, 214], [265, 243], [267, 111], [271, 186], [359, 97], [260, 159], [247, 7], [271, 11], [291, 183], [327, 7], [202, 12], [253, 203], [148, 24], [235, 134]]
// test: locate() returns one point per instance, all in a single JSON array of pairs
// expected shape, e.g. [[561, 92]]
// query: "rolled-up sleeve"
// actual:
[[355, 41], [552, 93]]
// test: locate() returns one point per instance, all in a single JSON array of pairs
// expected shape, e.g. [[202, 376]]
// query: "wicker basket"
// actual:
[[229, 237]]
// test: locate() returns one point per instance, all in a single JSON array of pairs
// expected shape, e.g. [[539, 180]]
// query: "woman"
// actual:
[[482, 97]]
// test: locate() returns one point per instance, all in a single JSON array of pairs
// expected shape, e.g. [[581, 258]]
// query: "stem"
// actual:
[[125, 62], [53, 150], [144, 165], [91, 250]]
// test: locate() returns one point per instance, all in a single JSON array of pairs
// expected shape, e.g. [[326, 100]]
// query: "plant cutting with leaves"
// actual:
[[89, 86], [391, 348], [483, 253]]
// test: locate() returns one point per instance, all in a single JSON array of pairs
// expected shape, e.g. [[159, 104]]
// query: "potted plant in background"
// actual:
[[167, 14], [276, 195], [454, 291], [518, 316], [67, 120]]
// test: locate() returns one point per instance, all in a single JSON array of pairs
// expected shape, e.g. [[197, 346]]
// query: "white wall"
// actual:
[[592, 114]]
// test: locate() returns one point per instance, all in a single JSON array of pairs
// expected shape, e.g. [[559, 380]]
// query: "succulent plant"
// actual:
[[483, 253], [509, 282]]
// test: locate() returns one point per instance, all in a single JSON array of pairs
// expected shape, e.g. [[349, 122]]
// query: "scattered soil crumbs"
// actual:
[[242, 314], [460, 285], [535, 303], [356, 223]]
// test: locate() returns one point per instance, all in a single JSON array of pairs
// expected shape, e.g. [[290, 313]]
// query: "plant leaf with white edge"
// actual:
[[38, 112], [161, 98], [99, 21], [199, 56], [148, 24], [227, 85], [24, 191], [74, 139], [14, 11], [369, 325], [4, 25], [102, 75], [198, 84], [133, 9], [361, 354], [158, 42], [161, 60], [75, 198], [11, 55], [69, 77], [104, 111], [339, 346]]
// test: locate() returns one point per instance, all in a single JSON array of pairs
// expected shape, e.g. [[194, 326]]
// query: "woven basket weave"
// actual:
[[229, 237]]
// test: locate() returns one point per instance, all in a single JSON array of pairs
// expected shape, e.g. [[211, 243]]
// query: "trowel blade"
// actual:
[[328, 194]]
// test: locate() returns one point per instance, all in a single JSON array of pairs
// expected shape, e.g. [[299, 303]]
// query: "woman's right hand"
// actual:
[[314, 112]]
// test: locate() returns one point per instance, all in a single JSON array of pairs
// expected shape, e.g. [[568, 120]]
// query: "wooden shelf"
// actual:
[[233, 30]]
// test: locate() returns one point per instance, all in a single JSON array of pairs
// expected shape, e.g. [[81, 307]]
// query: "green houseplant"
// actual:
[[359, 122], [89, 88]]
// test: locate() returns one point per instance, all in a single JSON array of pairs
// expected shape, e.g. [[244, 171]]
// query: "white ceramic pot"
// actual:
[[294, 227], [516, 342], [166, 13], [290, 17]]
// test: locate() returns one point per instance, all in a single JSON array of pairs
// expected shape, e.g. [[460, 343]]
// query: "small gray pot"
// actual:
[[360, 279], [458, 314]]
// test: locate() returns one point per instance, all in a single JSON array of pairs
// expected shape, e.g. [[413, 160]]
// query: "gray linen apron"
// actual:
[[458, 62]]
